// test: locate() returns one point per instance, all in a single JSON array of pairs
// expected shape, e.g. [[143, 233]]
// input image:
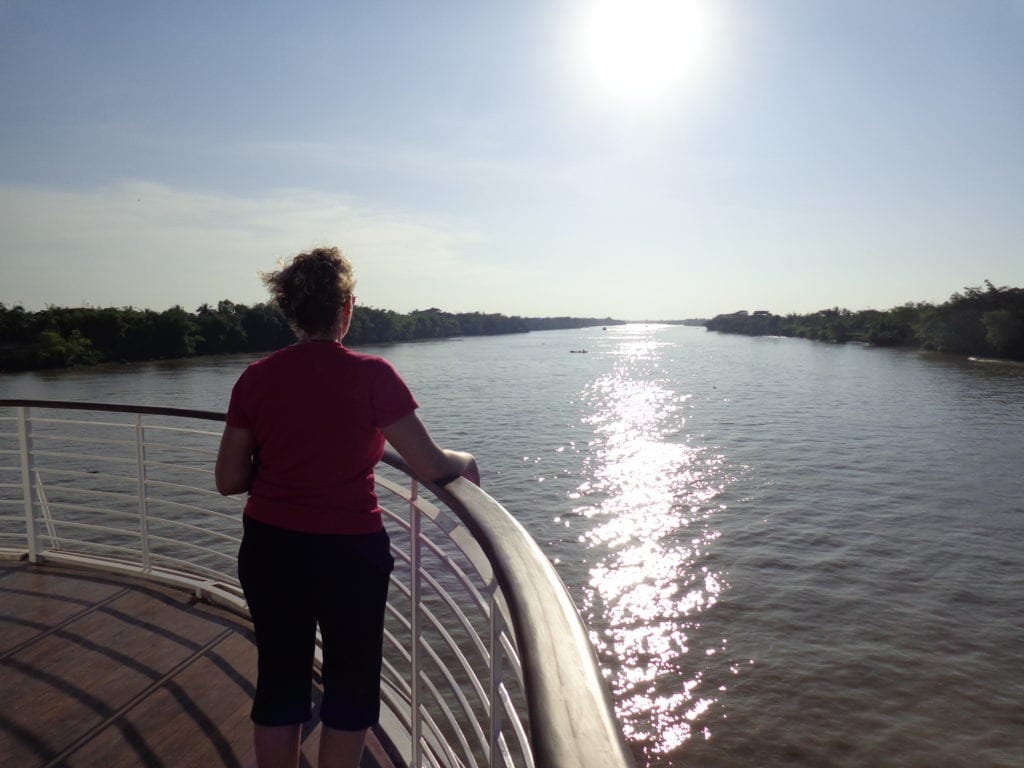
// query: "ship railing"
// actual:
[[486, 660]]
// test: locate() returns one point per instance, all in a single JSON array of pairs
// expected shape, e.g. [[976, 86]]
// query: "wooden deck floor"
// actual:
[[100, 670]]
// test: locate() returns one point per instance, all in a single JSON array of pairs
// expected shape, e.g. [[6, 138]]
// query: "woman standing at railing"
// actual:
[[305, 428]]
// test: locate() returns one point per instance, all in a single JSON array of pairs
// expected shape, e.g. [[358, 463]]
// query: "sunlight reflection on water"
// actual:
[[649, 498]]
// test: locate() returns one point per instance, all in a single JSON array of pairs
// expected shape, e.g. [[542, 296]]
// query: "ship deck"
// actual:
[[101, 669]]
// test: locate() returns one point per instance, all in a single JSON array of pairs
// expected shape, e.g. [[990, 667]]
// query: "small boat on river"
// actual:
[[126, 639]]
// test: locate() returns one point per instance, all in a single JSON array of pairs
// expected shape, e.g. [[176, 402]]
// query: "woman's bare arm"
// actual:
[[235, 469], [410, 438]]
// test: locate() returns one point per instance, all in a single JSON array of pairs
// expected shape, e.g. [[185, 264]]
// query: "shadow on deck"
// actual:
[[99, 669]]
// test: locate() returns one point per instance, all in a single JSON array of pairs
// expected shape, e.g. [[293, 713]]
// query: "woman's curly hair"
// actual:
[[311, 289]]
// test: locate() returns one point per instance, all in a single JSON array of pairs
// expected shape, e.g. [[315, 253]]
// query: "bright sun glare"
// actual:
[[638, 50]]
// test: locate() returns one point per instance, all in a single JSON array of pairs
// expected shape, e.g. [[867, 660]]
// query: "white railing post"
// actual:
[[140, 458], [415, 620], [496, 672], [27, 488]]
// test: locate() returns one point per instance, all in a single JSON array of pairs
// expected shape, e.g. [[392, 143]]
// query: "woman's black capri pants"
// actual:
[[294, 581]]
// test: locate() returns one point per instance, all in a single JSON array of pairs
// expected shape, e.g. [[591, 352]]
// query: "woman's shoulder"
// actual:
[[270, 364], [367, 362], [362, 357], [269, 360], [318, 355]]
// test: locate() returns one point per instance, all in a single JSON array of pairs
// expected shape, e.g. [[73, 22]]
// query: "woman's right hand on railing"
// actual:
[[429, 462], [472, 471]]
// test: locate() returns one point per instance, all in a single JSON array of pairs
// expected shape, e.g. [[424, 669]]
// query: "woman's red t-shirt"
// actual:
[[316, 410]]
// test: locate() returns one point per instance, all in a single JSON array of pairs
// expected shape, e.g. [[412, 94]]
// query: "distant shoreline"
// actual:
[[62, 338], [984, 323]]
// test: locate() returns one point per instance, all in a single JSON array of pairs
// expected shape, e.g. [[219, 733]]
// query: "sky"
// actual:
[[641, 160]]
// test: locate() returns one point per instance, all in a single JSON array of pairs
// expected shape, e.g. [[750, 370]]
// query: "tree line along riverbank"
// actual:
[[982, 322], [61, 337]]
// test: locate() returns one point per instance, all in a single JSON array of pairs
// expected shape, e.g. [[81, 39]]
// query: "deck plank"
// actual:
[[32, 605], [114, 671]]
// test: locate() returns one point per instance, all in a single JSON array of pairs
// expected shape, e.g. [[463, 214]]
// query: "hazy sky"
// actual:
[[643, 159]]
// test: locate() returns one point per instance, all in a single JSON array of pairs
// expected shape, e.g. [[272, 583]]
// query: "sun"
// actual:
[[639, 50]]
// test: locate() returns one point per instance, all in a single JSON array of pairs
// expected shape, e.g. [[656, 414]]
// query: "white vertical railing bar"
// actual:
[[44, 507], [27, 468], [415, 620], [28, 493], [140, 459], [494, 694], [517, 726]]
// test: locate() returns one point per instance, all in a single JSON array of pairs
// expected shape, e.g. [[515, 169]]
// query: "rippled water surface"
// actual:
[[788, 553]]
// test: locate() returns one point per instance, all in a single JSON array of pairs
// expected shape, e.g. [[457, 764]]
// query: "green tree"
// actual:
[[265, 328], [14, 323], [220, 330], [1004, 331], [173, 334], [55, 351], [895, 328]]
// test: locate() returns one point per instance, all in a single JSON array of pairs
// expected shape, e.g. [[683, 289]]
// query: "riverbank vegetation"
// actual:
[[59, 337], [982, 321]]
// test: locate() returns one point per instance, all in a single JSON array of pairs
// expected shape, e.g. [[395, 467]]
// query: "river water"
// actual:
[[788, 553]]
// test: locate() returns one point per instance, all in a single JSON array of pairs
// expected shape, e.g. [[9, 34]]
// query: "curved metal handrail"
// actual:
[[565, 690], [152, 410], [571, 718]]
